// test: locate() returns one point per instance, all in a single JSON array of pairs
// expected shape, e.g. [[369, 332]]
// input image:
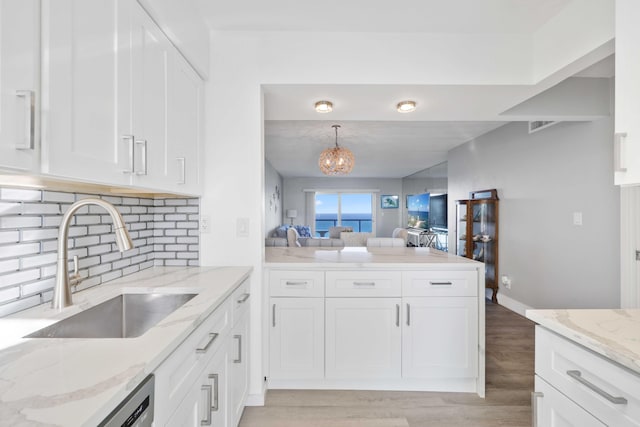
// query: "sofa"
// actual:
[[300, 235]]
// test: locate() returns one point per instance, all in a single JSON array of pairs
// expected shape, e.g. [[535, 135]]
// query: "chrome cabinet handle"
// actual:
[[288, 283], [398, 315], [142, 143], [440, 283], [28, 143], [243, 298], [534, 407], [182, 170], [214, 406], [364, 283], [239, 359], [128, 139], [408, 315], [207, 420], [619, 141], [273, 315], [577, 375], [212, 338]]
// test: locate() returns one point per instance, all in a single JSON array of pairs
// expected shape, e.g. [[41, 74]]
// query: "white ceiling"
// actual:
[[385, 143], [430, 16]]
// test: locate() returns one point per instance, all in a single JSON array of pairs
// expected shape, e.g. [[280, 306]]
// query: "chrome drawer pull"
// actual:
[[29, 141], [239, 359], [207, 420], [214, 405], [534, 407], [398, 315], [441, 283], [273, 315], [577, 375], [243, 298], [288, 283], [364, 283], [408, 315], [212, 338]]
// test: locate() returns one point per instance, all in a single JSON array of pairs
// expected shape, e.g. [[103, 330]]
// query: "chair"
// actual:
[[385, 242]]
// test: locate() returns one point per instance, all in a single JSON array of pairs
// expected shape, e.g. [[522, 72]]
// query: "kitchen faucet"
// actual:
[[61, 290]]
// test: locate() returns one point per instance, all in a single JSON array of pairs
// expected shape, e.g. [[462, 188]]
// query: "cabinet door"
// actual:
[[86, 72], [554, 409], [205, 404], [184, 109], [363, 338], [19, 74], [440, 337], [150, 54], [627, 93], [238, 370], [296, 338]]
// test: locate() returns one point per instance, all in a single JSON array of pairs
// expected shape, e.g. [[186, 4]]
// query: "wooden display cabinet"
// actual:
[[477, 233]]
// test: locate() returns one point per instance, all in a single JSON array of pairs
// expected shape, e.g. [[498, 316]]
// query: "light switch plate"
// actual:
[[577, 218], [242, 227]]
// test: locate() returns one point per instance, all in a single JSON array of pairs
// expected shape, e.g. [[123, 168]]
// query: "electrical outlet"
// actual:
[[506, 281], [205, 224]]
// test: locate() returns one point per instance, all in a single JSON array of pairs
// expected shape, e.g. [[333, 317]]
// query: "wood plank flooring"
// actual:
[[509, 370]]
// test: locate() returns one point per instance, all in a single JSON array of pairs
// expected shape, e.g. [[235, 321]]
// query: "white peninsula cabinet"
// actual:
[[349, 325], [627, 93], [120, 104], [205, 382], [19, 84]]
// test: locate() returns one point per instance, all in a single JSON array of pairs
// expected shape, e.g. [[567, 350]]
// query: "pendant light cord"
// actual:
[[336, 128]]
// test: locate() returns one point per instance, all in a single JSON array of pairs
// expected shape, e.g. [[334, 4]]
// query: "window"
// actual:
[[346, 209]]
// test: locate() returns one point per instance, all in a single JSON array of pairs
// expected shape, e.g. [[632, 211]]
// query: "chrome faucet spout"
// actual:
[[61, 291]]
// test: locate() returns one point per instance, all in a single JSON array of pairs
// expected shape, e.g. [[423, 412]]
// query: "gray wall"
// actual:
[[274, 214], [386, 219], [542, 179]]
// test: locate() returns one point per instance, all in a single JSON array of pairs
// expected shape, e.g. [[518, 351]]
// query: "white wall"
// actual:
[[273, 197], [386, 219], [542, 179]]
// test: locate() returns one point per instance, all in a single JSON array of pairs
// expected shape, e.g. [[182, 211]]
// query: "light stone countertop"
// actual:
[[615, 334], [73, 382], [364, 257]]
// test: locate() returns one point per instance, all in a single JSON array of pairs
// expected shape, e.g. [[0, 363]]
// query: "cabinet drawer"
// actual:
[[296, 283], [588, 379], [176, 375], [440, 283], [363, 283], [240, 301]]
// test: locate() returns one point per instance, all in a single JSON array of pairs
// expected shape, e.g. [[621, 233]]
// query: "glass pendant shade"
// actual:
[[336, 160]]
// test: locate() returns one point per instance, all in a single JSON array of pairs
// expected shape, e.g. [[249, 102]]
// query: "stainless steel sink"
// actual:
[[125, 316]]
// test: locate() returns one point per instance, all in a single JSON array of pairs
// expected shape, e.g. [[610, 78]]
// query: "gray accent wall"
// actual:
[[386, 219], [542, 180], [164, 232]]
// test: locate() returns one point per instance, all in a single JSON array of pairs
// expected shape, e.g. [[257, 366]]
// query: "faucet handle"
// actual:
[[75, 279]]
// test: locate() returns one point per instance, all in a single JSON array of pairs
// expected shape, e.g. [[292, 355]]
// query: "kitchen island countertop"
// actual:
[[612, 333], [79, 381]]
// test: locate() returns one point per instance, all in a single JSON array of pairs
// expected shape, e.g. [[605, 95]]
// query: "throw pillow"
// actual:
[[303, 230], [282, 231]]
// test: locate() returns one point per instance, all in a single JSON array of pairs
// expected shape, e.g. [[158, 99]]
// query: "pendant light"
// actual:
[[336, 160]]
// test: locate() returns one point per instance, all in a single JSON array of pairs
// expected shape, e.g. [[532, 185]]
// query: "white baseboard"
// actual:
[[257, 399], [513, 305]]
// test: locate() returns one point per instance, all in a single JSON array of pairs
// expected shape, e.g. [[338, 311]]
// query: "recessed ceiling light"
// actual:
[[324, 107], [406, 106]]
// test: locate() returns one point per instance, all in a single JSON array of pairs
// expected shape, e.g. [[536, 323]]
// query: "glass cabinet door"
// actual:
[[461, 230]]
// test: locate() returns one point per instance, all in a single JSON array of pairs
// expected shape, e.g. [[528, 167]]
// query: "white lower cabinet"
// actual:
[[205, 381], [363, 338], [553, 409], [439, 337], [296, 338]]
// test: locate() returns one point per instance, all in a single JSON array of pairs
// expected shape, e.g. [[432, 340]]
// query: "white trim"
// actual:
[[511, 304], [257, 399], [629, 210]]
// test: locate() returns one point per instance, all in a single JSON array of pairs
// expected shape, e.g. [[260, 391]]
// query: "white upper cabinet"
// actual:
[[627, 93], [184, 126], [86, 77], [19, 87], [121, 105]]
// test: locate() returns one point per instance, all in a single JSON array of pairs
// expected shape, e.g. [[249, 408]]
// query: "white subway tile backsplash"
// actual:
[[29, 221], [20, 194], [9, 236], [20, 221]]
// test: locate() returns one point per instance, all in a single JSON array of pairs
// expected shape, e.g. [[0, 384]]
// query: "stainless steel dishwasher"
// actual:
[[136, 410]]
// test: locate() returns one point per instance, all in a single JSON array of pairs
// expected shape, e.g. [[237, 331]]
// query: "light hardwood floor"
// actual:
[[510, 364]]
